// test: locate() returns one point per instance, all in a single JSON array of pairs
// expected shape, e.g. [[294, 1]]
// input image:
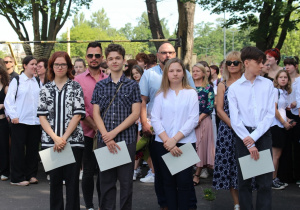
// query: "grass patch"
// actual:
[[209, 194]]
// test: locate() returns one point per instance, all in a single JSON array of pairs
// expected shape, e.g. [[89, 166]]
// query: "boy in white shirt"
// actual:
[[252, 111]]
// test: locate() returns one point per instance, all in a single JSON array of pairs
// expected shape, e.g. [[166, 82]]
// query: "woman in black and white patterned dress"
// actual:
[[225, 172]]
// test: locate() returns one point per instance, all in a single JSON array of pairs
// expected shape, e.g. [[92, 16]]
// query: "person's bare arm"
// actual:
[[220, 104], [88, 121], [59, 142], [145, 125]]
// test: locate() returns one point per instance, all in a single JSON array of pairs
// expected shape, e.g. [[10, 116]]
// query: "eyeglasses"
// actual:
[[92, 55], [103, 71], [126, 65], [62, 65], [235, 63], [165, 53], [6, 62]]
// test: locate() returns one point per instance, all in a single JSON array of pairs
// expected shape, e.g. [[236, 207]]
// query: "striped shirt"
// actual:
[[60, 106], [120, 108]]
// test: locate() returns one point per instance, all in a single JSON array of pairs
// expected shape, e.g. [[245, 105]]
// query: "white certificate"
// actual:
[[251, 167], [52, 160], [107, 160], [188, 158]]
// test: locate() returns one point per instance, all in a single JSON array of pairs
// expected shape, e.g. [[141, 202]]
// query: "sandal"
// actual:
[[196, 183]]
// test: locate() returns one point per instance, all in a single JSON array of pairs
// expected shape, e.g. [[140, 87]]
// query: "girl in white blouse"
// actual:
[[21, 104], [174, 116], [281, 123]]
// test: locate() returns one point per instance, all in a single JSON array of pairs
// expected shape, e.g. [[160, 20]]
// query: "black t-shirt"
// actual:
[[13, 75]]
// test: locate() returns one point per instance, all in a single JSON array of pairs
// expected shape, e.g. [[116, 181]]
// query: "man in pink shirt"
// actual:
[[88, 80]]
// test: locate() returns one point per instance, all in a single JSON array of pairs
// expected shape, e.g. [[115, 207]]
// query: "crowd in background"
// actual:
[[175, 106]]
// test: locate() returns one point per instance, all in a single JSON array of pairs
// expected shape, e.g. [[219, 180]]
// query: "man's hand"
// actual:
[[112, 146], [15, 121], [176, 152], [108, 136], [248, 141], [146, 129], [170, 144], [254, 153], [60, 143]]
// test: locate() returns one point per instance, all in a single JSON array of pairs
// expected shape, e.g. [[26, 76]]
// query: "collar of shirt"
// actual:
[[88, 73], [25, 78], [122, 79], [65, 85], [244, 79]]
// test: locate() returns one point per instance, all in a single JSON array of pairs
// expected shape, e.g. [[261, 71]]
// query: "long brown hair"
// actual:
[[3, 73], [51, 61], [288, 86], [165, 83]]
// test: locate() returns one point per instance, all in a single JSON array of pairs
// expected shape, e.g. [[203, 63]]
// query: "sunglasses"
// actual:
[[235, 63], [92, 55], [7, 62], [126, 65]]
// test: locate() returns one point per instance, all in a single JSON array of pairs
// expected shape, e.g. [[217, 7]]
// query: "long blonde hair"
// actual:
[[205, 81], [233, 55], [165, 83]]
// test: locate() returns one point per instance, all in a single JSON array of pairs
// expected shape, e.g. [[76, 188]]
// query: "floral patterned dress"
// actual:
[[205, 145]]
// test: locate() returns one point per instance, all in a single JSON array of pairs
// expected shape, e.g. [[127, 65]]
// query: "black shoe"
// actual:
[[276, 186], [281, 183]]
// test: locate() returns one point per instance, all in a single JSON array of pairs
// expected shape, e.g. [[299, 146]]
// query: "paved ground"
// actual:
[[36, 197]]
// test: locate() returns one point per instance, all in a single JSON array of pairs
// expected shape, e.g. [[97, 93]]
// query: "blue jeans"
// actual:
[[179, 189]]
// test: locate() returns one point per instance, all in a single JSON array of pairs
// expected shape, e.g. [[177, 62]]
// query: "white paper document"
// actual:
[[107, 160], [251, 167], [188, 158], [52, 160]]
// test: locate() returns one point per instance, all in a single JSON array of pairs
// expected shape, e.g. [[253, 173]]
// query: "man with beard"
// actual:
[[149, 85], [88, 80]]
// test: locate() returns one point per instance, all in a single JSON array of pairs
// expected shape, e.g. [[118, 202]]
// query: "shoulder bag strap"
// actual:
[[112, 100]]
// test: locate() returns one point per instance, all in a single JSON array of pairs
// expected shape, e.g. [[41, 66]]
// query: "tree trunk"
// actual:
[[186, 13], [155, 26]]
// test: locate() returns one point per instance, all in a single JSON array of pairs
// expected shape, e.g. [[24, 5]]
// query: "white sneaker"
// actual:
[[4, 178], [149, 178], [204, 173], [80, 175], [134, 175]]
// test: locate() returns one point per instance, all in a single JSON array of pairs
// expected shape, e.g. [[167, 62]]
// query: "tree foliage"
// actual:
[[48, 17], [266, 18]]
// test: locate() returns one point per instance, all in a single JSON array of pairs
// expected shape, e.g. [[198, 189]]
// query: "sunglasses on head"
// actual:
[[92, 55], [235, 63]]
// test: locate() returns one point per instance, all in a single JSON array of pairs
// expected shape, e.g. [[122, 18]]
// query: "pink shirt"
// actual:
[[88, 83]]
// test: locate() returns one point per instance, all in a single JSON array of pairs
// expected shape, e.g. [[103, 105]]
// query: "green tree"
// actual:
[[273, 15], [99, 19], [48, 17]]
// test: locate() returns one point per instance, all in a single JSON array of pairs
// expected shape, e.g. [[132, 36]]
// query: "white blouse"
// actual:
[[176, 113], [281, 99], [294, 95], [25, 105]]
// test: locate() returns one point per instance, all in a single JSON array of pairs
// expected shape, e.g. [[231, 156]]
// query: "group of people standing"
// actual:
[[224, 119]]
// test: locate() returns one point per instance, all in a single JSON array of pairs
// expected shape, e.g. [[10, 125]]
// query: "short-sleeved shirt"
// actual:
[[150, 84], [120, 108], [206, 99], [13, 75], [59, 106]]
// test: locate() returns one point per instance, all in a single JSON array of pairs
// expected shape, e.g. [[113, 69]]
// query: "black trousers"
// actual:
[[263, 182], [25, 141], [89, 166], [69, 173], [108, 181], [4, 147]]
